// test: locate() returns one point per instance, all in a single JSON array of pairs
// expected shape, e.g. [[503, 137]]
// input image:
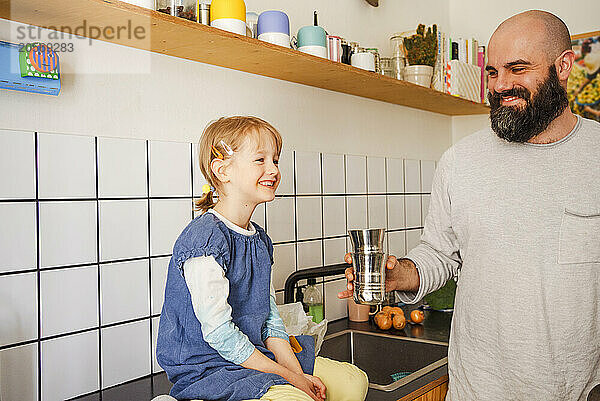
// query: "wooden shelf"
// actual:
[[189, 40]]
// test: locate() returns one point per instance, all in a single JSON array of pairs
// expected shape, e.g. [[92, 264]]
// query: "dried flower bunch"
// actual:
[[421, 48]]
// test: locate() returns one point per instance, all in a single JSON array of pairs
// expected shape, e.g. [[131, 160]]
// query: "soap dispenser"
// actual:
[[314, 300]]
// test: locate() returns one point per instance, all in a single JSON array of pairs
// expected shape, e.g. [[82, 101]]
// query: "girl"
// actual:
[[220, 335]]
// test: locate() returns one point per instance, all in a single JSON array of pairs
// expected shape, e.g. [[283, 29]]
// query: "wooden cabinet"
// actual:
[[434, 391], [125, 24]]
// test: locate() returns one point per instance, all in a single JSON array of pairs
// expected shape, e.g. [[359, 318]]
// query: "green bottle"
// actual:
[[314, 300]]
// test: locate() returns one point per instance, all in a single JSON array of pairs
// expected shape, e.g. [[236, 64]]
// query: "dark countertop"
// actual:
[[435, 327]]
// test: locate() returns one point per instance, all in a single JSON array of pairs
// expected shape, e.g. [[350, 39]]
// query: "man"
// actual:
[[515, 216]]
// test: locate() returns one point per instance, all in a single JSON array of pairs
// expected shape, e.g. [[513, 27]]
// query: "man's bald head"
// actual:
[[547, 32]]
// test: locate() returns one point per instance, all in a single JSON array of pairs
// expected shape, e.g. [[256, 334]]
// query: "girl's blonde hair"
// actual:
[[232, 131]]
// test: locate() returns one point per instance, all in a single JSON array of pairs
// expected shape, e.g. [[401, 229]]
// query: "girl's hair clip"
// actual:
[[217, 154], [206, 188]]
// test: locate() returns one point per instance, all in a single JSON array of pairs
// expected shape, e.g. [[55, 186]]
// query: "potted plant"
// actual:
[[421, 51]]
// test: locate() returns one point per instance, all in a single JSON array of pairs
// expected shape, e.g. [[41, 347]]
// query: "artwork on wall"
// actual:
[[583, 87]]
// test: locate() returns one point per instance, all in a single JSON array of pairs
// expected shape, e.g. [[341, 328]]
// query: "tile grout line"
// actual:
[[96, 155], [38, 264], [147, 143]]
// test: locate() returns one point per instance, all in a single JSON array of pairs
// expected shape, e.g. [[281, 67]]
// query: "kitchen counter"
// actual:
[[435, 328]]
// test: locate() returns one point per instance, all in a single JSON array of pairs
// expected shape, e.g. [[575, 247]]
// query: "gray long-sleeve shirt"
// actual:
[[519, 225]]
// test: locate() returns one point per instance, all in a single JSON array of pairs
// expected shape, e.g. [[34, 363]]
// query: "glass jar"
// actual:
[[397, 45], [398, 64], [375, 52], [386, 67], [179, 8]]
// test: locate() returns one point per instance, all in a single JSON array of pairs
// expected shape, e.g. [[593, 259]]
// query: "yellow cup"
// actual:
[[235, 9]]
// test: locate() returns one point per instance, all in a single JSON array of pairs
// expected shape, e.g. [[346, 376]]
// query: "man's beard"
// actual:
[[520, 124]]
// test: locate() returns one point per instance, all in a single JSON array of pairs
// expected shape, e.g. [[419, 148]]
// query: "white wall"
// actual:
[[479, 19]]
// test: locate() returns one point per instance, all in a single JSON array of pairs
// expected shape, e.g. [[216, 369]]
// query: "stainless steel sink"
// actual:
[[386, 357]]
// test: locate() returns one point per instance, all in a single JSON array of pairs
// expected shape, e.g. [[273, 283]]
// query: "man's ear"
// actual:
[[219, 169], [564, 63]]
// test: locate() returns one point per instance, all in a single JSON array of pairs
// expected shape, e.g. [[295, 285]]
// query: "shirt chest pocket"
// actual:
[[579, 238]]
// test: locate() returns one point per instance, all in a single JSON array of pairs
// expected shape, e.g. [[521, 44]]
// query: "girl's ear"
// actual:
[[219, 169]]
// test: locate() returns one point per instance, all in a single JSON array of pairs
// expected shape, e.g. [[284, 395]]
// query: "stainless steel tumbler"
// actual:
[[368, 260]]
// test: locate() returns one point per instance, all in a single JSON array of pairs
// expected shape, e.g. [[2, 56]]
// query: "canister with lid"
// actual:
[[179, 8]]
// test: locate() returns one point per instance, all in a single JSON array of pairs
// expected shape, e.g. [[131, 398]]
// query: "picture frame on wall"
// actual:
[[583, 87]]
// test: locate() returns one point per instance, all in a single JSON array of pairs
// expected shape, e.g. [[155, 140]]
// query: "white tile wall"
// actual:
[[17, 163], [334, 250], [356, 174], [18, 310], [67, 233], [377, 211], [122, 168], [376, 175], [308, 173], [126, 289], [19, 373], [159, 267], [67, 166], [397, 243], [310, 254], [281, 220], [357, 212], [123, 229], [124, 284], [170, 169], [395, 210], [413, 238], [334, 216], [427, 173], [413, 210], [155, 324], [335, 308], [333, 174], [69, 300], [168, 217], [308, 216], [395, 175], [284, 264], [412, 176], [125, 352], [70, 366], [18, 245]]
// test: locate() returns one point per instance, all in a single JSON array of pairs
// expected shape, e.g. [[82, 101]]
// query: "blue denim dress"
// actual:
[[196, 370]]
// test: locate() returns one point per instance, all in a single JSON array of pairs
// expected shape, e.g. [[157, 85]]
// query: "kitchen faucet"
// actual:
[[323, 271]]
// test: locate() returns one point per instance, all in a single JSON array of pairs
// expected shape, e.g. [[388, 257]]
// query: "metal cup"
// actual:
[[368, 260]]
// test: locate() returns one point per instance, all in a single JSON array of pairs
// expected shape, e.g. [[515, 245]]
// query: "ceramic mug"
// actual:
[[364, 60], [274, 27]]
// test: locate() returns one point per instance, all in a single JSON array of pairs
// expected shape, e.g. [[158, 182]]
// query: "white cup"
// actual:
[[231, 25], [319, 51], [277, 38], [364, 60]]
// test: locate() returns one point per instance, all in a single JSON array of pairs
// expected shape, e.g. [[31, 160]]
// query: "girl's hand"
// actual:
[[318, 386], [302, 382]]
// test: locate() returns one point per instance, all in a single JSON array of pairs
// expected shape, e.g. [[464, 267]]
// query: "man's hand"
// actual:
[[401, 275]]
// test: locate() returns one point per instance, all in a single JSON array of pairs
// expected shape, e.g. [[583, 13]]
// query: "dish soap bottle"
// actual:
[[314, 300]]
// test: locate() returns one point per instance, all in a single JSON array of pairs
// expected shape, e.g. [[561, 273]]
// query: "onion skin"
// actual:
[[399, 322], [417, 316]]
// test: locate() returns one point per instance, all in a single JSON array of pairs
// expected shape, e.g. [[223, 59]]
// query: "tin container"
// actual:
[[346, 52], [368, 260], [334, 48], [203, 12], [375, 52], [179, 8]]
